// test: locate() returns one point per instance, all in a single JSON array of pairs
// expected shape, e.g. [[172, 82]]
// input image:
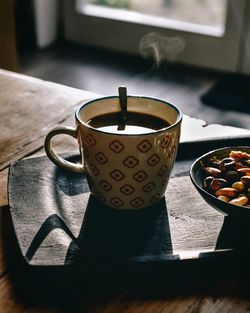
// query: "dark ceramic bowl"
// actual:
[[197, 176]]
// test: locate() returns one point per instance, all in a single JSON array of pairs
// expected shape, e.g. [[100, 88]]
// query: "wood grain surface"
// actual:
[[29, 108]]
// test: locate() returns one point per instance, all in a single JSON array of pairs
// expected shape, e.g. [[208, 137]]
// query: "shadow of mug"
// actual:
[[104, 233], [110, 235]]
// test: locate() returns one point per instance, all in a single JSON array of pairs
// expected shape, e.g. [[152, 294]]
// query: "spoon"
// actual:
[[123, 105]]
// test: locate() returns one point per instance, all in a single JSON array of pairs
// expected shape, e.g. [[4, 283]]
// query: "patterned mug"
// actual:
[[123, 170]]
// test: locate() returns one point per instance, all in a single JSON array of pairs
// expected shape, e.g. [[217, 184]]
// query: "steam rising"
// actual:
[[161, 48]]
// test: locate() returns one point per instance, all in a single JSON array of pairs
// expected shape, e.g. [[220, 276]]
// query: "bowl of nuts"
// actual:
[[222, 178]]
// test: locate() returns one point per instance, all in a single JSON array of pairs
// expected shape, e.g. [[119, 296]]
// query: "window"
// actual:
[[210, 33], [207, 12]]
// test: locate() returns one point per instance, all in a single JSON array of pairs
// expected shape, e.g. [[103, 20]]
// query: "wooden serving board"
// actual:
[[58, 223]]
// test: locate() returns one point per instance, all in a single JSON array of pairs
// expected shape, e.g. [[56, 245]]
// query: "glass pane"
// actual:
[[202, 12]]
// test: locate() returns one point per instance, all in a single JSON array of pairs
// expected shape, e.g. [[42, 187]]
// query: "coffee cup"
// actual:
[[127, 166]]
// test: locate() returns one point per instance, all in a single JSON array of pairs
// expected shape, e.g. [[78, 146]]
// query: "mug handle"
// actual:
[[54, 157]]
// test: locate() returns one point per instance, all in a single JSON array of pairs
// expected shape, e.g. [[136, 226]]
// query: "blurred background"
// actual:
[[193, 53]]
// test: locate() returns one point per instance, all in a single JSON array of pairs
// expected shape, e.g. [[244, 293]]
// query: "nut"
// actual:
[[239, 155], [224, 198], [244, 171], [239, 165], [227, 191], [246, 180], [227, 164], [207, 182], [239, 186], [239, 201], [217, 183], [215, 172], [232, 176]]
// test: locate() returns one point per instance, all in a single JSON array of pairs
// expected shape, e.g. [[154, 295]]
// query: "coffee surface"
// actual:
[[136, 123]]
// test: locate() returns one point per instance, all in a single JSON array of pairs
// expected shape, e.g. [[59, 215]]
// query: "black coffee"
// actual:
[[137, 123]]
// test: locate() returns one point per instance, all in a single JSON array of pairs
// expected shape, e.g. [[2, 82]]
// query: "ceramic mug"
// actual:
[[124, 171]]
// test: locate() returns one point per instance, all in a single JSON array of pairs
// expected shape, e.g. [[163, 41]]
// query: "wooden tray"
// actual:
[[58, 223]]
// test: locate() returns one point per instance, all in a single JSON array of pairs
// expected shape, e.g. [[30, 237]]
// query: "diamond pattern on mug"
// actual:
[[153, 160], [101, 158], [127, 189], [116, 146], [117, 175], [155, 198], [166, 141], [140, 176], [172, 151], [163, 170], [94, 169], [149, 187], [130, 161], [137, 202], [90, 140], [144, 146], [105, 185], [117, 202]]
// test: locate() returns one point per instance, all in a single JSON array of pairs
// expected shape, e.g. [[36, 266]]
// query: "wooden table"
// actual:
[[29, 108]]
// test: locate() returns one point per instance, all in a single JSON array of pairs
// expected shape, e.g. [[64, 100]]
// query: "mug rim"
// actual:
[[82, 105]]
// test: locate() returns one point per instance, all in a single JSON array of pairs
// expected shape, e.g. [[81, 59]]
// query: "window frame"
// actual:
[[244, 54], [204, 48]]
